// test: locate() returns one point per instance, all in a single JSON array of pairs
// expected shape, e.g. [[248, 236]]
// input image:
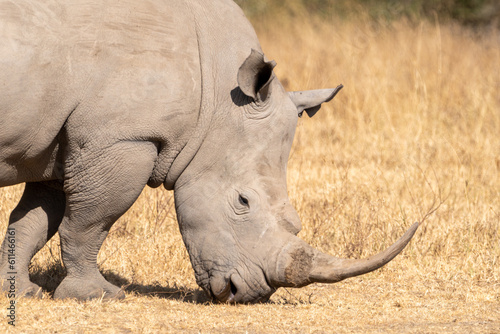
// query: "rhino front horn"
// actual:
[[299, 264]]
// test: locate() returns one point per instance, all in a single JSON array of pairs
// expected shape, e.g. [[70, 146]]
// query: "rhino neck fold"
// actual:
[[217, 63], [188, 152]]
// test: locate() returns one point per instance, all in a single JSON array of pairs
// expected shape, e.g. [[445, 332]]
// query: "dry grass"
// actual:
[[413, 136]]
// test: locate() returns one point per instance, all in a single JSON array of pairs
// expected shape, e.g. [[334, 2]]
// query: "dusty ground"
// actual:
[[412, 137]]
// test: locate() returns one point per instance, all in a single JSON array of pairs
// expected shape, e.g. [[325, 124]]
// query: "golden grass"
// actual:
[[413, 136]]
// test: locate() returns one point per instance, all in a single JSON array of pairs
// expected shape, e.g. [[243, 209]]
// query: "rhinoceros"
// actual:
[[100, 98]]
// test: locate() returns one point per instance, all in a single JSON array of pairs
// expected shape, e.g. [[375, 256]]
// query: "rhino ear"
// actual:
[[310, 101], [255, 75]]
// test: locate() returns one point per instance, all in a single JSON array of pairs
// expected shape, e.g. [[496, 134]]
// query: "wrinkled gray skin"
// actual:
[[100, 98]]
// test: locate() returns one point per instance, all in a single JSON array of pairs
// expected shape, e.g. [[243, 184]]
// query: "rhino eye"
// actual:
[[244, 201]]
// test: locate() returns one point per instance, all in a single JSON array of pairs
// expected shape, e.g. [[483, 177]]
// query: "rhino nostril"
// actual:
[[228, 294], [234, 290], [224, 290]]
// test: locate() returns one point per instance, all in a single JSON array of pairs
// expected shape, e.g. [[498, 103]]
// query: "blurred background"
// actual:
[[471, 12]]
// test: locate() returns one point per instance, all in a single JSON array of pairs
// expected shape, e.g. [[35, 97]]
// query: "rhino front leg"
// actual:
[[32, 223], [101, 185]]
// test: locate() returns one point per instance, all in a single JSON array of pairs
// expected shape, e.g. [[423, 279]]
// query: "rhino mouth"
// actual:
[[227, 294], [234, 290]]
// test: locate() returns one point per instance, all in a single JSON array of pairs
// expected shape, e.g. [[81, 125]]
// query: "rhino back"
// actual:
[[104, 70]]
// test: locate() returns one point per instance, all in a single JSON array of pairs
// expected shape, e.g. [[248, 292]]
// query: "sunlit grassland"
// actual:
[[413, 136]]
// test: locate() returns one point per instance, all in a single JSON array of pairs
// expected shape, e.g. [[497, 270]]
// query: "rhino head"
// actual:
[[231, 200]]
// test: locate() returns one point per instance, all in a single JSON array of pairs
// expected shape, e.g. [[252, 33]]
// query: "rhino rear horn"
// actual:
[[255, 75], [310, 101]]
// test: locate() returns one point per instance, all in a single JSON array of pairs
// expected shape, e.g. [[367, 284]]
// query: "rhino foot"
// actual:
[[14, 287], [87, 289]]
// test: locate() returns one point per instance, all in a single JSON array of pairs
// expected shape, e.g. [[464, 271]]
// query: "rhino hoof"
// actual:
[[31, 291], [23, 289], [85, 289]]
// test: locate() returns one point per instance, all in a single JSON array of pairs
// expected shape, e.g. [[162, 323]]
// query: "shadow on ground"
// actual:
[[50, 277]]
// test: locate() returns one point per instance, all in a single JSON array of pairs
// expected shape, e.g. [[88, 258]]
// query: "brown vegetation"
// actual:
[[414, 136]]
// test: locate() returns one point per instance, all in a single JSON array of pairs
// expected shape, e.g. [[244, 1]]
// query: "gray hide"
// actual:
[[100, 98]]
